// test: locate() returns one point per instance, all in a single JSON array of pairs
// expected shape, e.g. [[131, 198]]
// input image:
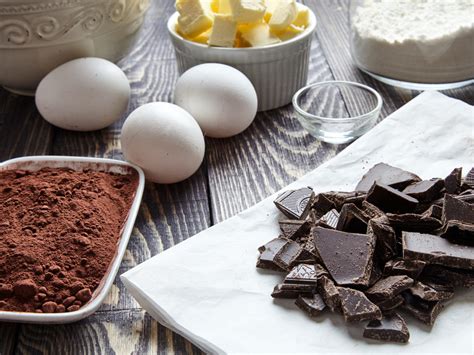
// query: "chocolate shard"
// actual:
[[386, 239], [294, 229], [452, 182], [352, 219], [293, 290], [302, 274], [425, 190], [330, 219], [434, 211], [322, 205], [459, 232], [328, 291], [431, 292], [389, 287], [425, 311], [313, 306], [440, 275], [411, 268], [386, 175], [338, 198], [356, 307], [457, 210], [295, 204], [390, 303], [288, 256], [469, 179], [320, 270], [412, 222], [437, 250], [391, 200], [371, 211], [391, 328], [266, 260], [347, 256]]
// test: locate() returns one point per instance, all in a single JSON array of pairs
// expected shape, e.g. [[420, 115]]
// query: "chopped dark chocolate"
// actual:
[[389, 287], [386, 239], [440, 275], [412, 222], [293, 290], [459, 232], [386, 175], [371, 210], [313, 306], [469, 179], [352, 219], [411, 268], [330, 219], [295, 204], [329, 293], [288, 255], [320, 271], [294, 229], [431, 292], [356, 307], [425, 190], [391, 328], [347, 256], [266, 260], [391, 200], [302, 274], [390, 303], [437, 250], [425, 311], [452, 182], [457, 210], [434, 211], [322, 205]]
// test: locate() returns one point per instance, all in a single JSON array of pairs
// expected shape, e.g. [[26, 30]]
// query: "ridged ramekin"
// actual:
[[276, 71]]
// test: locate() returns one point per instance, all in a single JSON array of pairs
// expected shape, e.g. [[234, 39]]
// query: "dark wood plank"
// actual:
[[8, 338]]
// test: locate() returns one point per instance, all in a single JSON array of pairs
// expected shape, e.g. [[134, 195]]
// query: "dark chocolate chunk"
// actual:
[[356, 307], [302, 274], [390, 303], [330, 219], [320, 270], [411, 268], [371, 211], [389, 287], [294, 229], [386, 239], [425, 190], [313, 306], [329, 293], [457, 210], [431, 292], [425, 311], [288, 255], [386, 175], [411, 222], [322, 205], [434, 211], [440, 275], [452, 182], [266, 260], [293, 290], [391, 200], [469, 179], [352, 219], [437, 250], [391, 328], [295, 204], [347, 256], [459, 232]]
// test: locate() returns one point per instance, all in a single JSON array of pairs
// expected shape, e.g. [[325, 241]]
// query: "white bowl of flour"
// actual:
[[415, 43]]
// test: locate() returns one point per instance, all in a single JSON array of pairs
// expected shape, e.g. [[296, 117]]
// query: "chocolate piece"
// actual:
[[338, 198], [431, 292], [294, 229], [411, 268], [391, 328], [411, 222], [371, 211], [356, 307], [390, 303], [440, 275], [322, 205], [320, 271], [425, 190], [457, 210], [352, 219], [302, 274], [389, 287], [293, 290], [469, 179], [312, 306], [459, 232], [386, 175], [434, 211], [295, 204], [347, 256], [266, 260], [425, 311], [452, 182], [330, 219], [288, 255], [437, 250], [329, 293], [386, 239], [390, 200]]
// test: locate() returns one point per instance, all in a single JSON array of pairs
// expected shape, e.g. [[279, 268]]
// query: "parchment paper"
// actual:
[[208, 289]]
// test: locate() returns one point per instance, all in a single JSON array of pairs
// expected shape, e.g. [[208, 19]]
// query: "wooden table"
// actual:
[[236, 173]]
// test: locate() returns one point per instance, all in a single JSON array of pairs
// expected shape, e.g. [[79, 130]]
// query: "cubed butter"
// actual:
[[302, 18], [247, 11], [221, 7], [258, 35], [270, 7], [284, 14], [203, 38], [223, 31], [193, 19], [290, 32]]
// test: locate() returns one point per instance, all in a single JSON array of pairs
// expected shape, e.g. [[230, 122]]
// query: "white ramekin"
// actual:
[[277, 71]]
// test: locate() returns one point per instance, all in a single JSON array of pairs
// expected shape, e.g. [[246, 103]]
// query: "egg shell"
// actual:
[[84, 94], [164, 140], [219, 97]]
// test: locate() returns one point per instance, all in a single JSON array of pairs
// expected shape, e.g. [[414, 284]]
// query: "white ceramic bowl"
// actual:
[[81, 163], [276, 71], [36, 36]]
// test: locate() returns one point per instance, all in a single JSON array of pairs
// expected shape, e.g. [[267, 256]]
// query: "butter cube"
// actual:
[[284, 14], [258, 35], [290, 32], [302, 18], [247, 11], [203, 38], [224, 31], [270, 7], [193, 19], [221, 7]]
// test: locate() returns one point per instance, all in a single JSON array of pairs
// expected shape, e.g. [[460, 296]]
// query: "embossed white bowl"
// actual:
[[36, 36]]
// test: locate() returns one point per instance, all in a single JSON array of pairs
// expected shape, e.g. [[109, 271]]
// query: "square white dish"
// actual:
[[35, 163]]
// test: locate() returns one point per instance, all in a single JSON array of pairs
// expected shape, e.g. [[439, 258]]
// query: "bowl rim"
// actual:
[[171, 24], [306, 114], [107, 281]]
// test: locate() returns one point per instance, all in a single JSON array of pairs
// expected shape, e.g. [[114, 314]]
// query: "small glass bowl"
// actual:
[[337, 112]]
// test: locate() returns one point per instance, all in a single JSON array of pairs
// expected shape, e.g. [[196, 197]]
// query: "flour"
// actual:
[[420, 41]]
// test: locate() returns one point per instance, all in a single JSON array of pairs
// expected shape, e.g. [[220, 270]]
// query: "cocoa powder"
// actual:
[[59, 230]]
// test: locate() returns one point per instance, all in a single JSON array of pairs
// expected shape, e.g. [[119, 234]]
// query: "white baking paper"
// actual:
[[208, 289]]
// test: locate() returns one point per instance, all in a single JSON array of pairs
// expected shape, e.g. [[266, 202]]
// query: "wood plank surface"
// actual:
[[237, 173]]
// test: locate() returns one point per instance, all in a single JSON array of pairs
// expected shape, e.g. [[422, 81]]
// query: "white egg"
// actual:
[[164, 140], [219, 97], [84, 94]]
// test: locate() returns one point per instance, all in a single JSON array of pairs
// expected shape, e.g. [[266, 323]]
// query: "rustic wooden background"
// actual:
[[237, 173]]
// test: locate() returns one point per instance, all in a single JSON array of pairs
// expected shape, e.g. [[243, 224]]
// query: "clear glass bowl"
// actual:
[[337, 112]]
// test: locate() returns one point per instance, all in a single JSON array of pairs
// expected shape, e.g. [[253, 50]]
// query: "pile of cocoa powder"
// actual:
[[59, 230]]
